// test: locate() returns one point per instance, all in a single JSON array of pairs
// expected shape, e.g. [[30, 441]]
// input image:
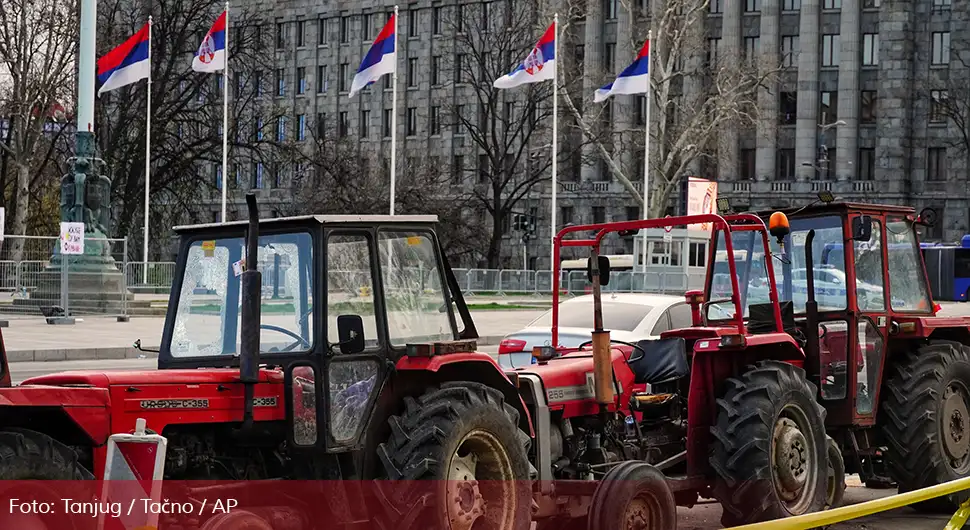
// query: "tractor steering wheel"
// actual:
[[634, 346], [299, 340]]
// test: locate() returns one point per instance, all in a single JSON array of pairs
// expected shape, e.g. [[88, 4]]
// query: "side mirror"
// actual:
[[861, 228], [604, 267], [927, 217], [350, 333]]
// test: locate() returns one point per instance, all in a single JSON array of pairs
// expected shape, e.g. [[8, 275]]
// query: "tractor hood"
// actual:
[[148, 377], [570, 377]]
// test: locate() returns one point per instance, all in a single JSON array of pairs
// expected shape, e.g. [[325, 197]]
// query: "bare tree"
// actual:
[[37, 50], [331, 173], [510, 130], [950, 102], [187, 113], [693, 100]]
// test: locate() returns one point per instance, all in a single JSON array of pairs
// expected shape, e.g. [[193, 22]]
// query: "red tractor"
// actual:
[[379, 379]]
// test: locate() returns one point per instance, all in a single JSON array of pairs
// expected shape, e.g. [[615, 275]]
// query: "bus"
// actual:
[[948, 269]]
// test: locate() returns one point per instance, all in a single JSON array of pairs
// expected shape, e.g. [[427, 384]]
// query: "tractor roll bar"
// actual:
[[727, 224]]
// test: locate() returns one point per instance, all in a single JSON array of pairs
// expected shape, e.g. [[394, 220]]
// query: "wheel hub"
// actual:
[[791, 458], [955, 424], [466, 504], [637, 515]]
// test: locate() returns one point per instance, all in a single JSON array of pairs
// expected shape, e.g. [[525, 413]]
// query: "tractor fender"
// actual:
[[76, 416], [470, 366]]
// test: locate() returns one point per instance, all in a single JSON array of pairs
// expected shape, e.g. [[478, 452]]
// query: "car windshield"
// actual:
[[620, 316], [830, 289], [208, 316]]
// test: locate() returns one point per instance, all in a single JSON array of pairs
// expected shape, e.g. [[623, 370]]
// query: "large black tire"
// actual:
[[434, 440], [633, 496], [926, 421], [771, 406], [30, 455], [835, 488]]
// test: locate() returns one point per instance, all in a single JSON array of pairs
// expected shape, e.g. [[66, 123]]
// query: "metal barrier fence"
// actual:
[[31, 282], [159, 276]]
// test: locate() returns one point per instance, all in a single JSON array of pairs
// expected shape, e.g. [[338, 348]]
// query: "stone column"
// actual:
[[806, 120], [592, 75], [766, 166], [624, 125], [894, 115], [727, 145], [847, 136]]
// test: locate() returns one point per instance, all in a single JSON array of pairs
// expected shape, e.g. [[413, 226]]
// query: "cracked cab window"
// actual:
[[870, 283], [907, 279]]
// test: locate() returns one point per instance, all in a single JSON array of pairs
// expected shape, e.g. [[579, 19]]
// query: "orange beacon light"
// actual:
[[778, 227]]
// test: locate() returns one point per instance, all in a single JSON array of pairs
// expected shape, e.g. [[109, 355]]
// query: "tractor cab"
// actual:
[[854, 272]]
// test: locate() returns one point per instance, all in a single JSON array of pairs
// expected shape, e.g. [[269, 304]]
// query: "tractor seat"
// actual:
[[662, 360]]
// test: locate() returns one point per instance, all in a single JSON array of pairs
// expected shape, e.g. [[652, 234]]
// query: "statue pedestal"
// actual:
[[95, 286]]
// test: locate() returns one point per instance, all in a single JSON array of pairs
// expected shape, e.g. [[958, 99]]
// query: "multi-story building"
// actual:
[[857, 107]]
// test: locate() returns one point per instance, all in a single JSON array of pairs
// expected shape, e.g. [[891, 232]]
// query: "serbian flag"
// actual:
[[127, 63], [381, 58], [211, 56], [540, 65], [634, 80]]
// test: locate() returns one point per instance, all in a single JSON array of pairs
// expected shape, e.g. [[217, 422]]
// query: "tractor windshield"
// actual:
[[749, 260], [208, 316]]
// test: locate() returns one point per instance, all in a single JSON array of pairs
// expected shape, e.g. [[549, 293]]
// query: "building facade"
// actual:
[[856, 108]]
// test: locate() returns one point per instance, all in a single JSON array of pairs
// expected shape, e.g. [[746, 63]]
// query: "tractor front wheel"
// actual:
[[927, 425], [769, 449], [466, 440]]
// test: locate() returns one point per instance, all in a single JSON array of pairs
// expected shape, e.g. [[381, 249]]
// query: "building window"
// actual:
[[609, 55], [460, 18], [364, 123], [322, 32], [258, 81], [867, 164], [281, 129], [258, 129], [712, 45], [436, 70], [301, 33], [831, 45], [632, 213], [413, 23], [301, 80], [459, 124], [941, 48], [641, 111], [280, 82], [484, 169], [365, 26], [752, 6], [716, 6], [938, 101], [280, 35], [748, 164], [599, 215], [457, 169], [258, 176], [939, 4], [386, 123], [788, 107], [412, 121], [321, 79], [609, 8], [412, 72], [828, 107], [435, 121], [870, 49], [436, 20], [791, 5], [344, 70], [832, 4], [321, 124], [344, 30], [867, 108], [566, 215], [301, 127], [751, 47], [786, 164], [869, 4], [936, 164], [789, 51], [460, 61], [343, 127]]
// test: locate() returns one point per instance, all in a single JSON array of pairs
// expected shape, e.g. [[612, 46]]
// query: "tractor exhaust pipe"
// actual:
[[251, 301], [602, 361], [811, 309]]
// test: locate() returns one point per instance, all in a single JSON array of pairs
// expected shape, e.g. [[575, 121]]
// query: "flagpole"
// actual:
[[646, 147], [394, 113], [555, 141], [225, 120], [148, 150]]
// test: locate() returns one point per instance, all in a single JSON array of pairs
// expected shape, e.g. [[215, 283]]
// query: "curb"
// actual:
[[92, 354]]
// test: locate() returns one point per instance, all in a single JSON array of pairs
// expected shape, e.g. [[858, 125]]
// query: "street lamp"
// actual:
[[823, 150]]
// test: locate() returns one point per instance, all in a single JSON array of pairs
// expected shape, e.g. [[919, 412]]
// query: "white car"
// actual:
[[629, 317]]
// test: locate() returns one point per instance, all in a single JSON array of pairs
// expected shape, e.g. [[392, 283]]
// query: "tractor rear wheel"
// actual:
[[927, 425], [466, 439], [30, 455], [769, 448], [835, 487]]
